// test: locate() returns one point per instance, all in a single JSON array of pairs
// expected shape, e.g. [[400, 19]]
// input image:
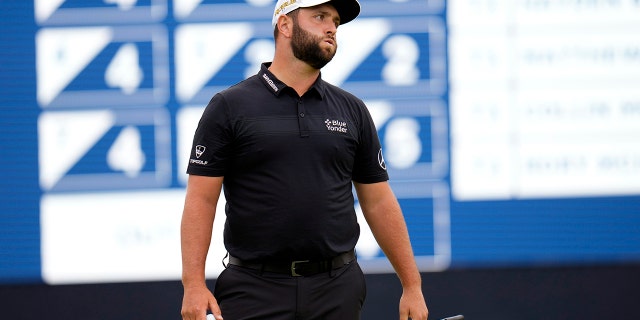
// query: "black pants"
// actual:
[[244, 293]]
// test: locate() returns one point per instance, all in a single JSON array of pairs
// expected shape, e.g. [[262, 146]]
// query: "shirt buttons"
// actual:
[[301, 114]]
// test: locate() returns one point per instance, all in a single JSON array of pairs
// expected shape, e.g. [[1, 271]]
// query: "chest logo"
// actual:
[[336, 125]]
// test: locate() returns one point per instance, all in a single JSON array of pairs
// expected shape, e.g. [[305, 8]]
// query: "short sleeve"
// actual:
[[210, 151], [369, 166]]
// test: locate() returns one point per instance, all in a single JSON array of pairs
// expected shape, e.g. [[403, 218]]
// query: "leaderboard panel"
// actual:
[[120, 92], [545, 131], [105, 141], [542, 92]]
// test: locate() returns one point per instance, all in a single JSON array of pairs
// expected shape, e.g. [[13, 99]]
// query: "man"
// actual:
[[287, 147]]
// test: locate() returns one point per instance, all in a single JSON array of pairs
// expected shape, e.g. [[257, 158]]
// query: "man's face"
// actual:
[[319, 48]]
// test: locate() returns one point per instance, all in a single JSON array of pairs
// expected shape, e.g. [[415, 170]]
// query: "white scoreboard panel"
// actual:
[[544, 98]]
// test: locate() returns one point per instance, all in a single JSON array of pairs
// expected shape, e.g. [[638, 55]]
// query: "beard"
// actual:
[[306, 47]]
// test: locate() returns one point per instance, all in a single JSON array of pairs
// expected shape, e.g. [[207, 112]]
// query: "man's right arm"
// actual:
[[195, 237]]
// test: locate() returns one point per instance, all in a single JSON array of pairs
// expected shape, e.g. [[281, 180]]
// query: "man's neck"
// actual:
[[295, 73]]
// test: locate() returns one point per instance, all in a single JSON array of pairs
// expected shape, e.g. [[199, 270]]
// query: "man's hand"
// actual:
[[413, 306], [196, 302]]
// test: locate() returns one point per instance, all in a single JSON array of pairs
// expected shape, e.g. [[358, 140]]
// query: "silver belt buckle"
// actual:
[[293, 268]]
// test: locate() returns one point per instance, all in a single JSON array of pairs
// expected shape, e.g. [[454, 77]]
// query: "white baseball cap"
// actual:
[[347, 9]]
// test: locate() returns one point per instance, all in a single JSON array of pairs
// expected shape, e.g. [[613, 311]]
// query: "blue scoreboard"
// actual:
[[510, 129]]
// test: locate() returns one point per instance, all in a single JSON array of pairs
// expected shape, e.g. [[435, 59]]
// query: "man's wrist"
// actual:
[[189, 282]]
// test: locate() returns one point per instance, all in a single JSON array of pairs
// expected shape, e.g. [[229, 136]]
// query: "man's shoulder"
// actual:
[[247, 88], [339, 93], [242, 96]]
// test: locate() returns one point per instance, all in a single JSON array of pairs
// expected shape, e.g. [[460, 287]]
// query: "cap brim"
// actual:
[[347, 9]]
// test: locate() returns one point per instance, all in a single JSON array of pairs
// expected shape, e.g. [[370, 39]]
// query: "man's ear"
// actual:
[[284, 25]]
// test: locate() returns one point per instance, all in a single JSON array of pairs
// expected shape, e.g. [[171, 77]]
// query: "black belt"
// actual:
[[297, 268]]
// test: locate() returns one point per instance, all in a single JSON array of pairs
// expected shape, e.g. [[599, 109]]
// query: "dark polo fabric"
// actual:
[[288, 163]]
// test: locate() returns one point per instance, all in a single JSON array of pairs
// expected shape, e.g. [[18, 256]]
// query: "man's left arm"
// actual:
[[384, 216]]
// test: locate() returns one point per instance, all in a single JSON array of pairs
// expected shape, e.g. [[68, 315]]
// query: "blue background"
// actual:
[[533, 232]]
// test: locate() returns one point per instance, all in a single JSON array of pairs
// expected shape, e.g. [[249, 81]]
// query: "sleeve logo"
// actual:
[[200, 150], [381, 162]]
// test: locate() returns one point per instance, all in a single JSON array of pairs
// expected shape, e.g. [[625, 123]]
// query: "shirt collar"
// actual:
[[276, 86]]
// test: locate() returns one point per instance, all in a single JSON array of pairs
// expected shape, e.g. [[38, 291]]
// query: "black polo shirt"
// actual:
[[288, 163]]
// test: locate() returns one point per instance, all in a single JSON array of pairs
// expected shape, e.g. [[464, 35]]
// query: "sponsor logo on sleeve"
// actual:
[[199, 151], [381, 162]]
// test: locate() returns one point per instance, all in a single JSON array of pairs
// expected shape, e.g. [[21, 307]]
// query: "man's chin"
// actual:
[[319, 64]]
